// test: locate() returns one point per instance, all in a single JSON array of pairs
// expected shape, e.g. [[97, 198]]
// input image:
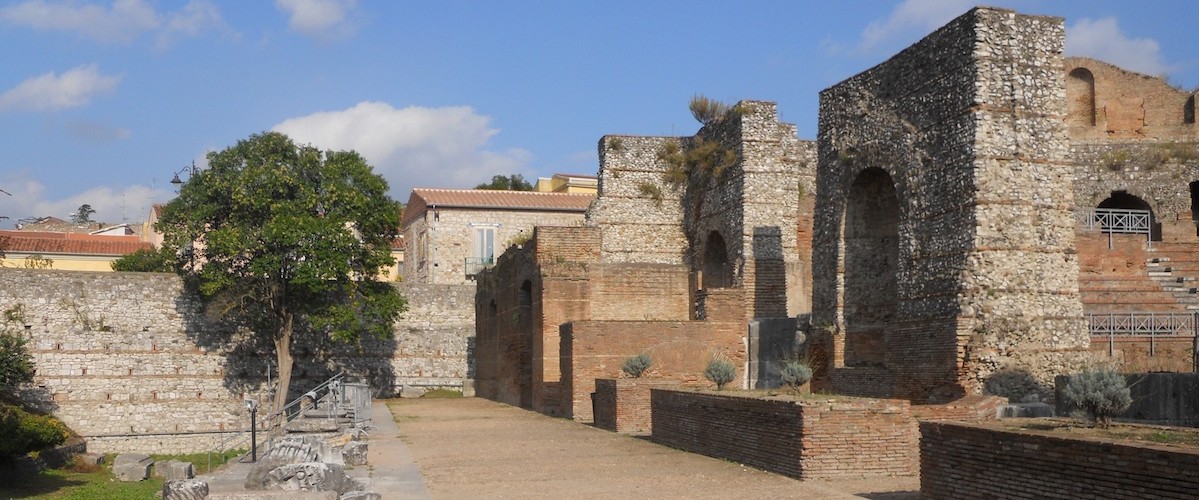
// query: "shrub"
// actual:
[[636, 366], [146, 260], [720, 372], [795, 374], [25, 432], [1101, 394], [707, 111], [16, 365]]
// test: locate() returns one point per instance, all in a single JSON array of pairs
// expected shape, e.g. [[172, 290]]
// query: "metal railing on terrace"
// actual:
[[1149, 325], [1116, 220], [474, 265]]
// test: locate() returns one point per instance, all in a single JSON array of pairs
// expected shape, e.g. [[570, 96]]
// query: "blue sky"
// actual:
[[101, 102]]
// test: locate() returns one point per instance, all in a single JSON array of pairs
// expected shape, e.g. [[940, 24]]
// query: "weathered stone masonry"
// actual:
[[128, 361], [938, 272]]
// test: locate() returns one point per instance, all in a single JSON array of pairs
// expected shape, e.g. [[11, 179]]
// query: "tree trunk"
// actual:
[[283, 355]]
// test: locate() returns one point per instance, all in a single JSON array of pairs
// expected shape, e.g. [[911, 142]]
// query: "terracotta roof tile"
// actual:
[[494, 199], [69, 243]]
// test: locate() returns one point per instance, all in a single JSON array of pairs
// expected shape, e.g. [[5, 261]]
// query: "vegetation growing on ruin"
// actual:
[[1154, 156], [1099, 394], [38, 261], [616, 144], [652, 191], [636, 366], [707, 158], [795, 374], [292, 237], [720, 372]]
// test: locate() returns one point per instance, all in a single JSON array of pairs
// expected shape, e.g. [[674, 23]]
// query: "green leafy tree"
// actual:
[[16, 365], [514, 182], [275, 235], [83, 215], [146, 260]]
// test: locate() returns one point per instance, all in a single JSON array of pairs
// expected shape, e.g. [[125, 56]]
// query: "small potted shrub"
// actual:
[[720, 372], [796, 375], [636, 366], [1100, 394]]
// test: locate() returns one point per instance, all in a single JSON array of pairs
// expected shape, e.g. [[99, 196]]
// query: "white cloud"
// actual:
[[413, 146], [910, 19], [1103, 40], [94, 131], [73, 88], [319, 18], [113, 205], [122, 22]]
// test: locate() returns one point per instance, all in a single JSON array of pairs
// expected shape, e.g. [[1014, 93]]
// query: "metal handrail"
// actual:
[[475, 265], [1142, 323], [275, 421], [1117, 220]]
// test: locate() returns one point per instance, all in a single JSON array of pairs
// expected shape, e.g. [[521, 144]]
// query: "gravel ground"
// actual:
[[475, 448]]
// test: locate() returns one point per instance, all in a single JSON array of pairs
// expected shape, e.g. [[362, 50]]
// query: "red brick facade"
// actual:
[[837, 437], [622, 405], [680, 351], [966, 461]]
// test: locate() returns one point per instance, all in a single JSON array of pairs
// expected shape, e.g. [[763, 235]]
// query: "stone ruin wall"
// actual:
[[756, 208], [1135, 133], [128, 361], [965, 124], [639, 214]]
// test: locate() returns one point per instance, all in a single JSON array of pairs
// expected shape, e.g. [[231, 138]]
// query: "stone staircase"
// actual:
[[1131, 277]]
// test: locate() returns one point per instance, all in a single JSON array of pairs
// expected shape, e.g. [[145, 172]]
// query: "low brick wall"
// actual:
[[967, 461], [622, 405], [834, 437]]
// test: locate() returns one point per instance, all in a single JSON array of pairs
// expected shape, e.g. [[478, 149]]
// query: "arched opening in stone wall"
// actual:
[[871, 261], [717, 271], [1121, 200], [1188, 110], [1080, 97], [525, 328]]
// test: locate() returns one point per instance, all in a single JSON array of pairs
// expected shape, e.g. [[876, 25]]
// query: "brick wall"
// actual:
[[640, 291], [680, 351], [819, 438], [1162, 353], [622, 404], [968, 461]]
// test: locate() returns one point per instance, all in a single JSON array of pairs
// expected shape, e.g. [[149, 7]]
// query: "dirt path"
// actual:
[[475, 448]]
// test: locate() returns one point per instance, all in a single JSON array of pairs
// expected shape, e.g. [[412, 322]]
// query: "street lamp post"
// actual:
[[253, 407], [191, 171]]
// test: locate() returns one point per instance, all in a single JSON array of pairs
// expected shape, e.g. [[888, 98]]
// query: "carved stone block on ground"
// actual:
[[132, 466], [184, 489], [354, 453], [312, 425], [176, 470], [361, 495], [309, 476]]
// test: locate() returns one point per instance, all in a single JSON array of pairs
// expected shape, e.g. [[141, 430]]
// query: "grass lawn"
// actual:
[[94, 482]]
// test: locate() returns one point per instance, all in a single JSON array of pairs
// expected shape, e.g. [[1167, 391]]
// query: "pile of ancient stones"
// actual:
[[311, 463]]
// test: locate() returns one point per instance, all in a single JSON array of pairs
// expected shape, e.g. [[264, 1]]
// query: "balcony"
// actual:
[[473, 265]]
